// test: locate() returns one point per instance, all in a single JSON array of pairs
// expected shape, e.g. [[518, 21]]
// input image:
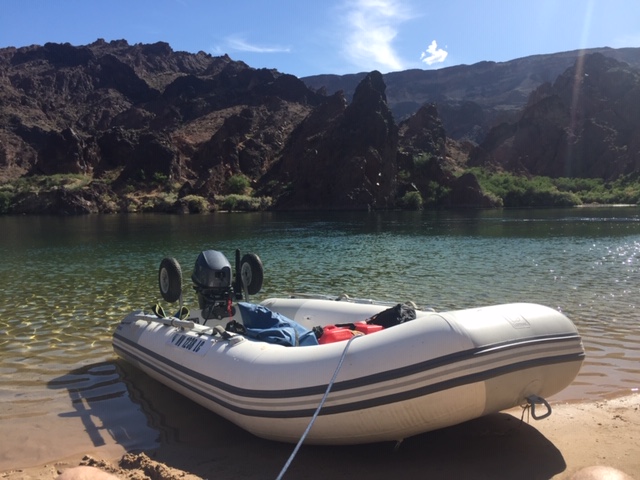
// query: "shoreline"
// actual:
[[574, 437]]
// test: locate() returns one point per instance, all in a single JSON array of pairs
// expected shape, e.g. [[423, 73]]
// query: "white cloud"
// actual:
[[433, 54], [372, 26], [239, 44]]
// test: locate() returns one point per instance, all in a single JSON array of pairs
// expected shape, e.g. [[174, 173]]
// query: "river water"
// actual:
[[67, 281]]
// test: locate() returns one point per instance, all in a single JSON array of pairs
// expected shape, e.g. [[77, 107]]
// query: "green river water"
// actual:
[[67, 281]]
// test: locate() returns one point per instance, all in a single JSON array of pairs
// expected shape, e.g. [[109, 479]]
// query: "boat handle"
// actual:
[[536, 400]]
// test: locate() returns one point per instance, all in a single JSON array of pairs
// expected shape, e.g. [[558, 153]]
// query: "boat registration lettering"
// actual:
[[518, 322], [188, 342]]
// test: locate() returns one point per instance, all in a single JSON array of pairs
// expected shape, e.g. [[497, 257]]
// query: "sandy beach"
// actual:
[[574, 437]]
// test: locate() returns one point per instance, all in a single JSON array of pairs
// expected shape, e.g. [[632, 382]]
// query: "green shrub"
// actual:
[[520, 191], [436, 192], [238, 184], [411, 201], [128, 189], [421, 159], [196, 204], [244, 203], [265, 203], [160, 178], [36, 183], [404, 176], [164, 202], [230, 202], [6, 198]]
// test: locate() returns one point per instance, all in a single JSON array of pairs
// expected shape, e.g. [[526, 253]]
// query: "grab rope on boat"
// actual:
[[315, 414], [532, 401]]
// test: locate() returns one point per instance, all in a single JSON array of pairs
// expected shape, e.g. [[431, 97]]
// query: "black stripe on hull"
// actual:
[[371, 380]]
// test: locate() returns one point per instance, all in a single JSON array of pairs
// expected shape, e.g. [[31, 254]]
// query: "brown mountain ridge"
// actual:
[[472, 98], [113, 127]]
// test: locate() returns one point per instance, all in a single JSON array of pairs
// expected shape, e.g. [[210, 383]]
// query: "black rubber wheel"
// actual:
[[251, 273], [170, 279]]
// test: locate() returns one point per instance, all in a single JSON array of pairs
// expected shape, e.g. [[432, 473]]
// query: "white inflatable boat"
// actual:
[[436, 370]]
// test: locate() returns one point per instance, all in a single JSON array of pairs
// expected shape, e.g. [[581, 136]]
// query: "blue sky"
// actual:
[[309, 37]]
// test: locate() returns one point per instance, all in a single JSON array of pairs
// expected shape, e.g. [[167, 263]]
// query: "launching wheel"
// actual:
[[170, 279], [251, 273]]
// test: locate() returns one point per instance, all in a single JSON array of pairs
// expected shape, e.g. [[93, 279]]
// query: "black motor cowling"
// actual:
[[217, 286], [213, 282], [212, 271]]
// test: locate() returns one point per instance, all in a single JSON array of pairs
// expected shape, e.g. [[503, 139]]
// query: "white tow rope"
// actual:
[[315, 414]]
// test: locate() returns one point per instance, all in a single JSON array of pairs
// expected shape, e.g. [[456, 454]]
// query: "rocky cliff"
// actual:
[[336, 144], [133, 113], [471, 99], [585, 124], [146, 128], [113, 127]]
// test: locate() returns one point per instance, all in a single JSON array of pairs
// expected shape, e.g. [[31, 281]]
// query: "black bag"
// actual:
[[394, 316]]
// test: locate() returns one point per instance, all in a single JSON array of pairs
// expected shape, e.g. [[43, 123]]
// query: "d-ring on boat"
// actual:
[[269, 369]]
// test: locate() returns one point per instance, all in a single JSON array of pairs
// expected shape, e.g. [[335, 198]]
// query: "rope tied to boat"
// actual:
[[317, 412]]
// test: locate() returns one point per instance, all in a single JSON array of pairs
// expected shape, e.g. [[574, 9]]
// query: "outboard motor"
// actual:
[[213, 282], [216, 285]]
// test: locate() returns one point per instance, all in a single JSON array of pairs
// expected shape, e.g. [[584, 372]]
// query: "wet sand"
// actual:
[[202, 445]]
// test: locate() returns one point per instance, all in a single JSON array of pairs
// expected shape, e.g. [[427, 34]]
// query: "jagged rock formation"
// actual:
[[135, 118], [587, 124], [471, 99], [341, 156], [142, 112], [421, 157], [430, 160]]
